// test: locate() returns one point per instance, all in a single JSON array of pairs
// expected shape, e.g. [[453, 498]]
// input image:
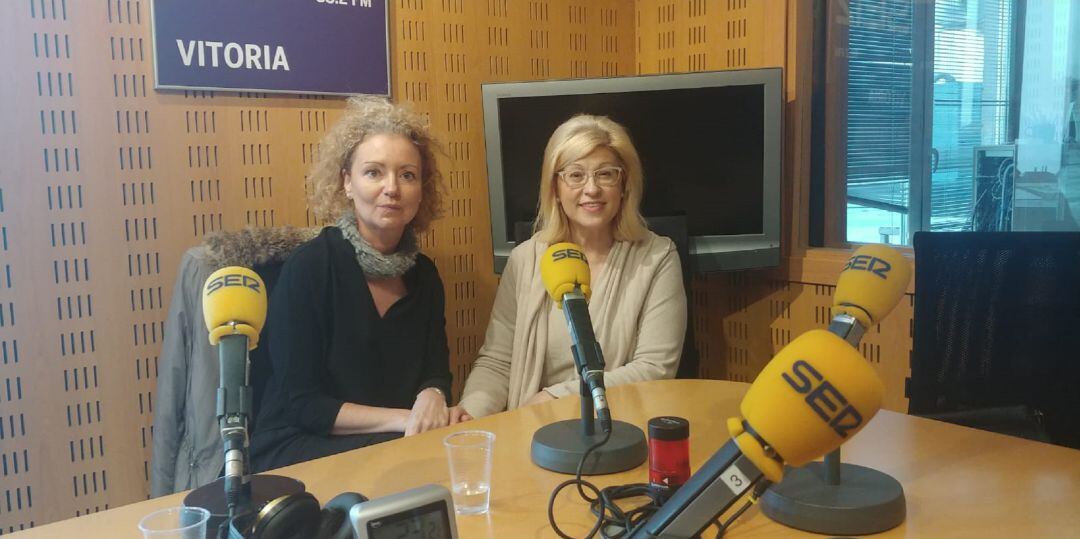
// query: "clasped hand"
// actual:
[[429, 411]]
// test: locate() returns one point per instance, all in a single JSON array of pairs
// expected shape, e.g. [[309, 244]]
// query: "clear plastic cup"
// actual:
[[469, 454], [175, 523]]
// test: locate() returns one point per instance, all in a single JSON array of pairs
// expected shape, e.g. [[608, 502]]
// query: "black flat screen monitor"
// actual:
[[710, 145]]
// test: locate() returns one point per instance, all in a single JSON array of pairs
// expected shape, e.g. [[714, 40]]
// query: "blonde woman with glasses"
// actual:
[[590, 193]]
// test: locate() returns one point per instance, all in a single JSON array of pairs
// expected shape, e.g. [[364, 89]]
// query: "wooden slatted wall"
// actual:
[[105, 183]]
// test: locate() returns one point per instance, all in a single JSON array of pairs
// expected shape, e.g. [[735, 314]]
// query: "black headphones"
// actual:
[[298, 515]]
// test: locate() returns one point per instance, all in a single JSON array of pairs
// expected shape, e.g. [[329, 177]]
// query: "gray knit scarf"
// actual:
[[372, 262]]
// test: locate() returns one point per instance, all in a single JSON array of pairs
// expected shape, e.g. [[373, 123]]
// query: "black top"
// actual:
[[328, 344]]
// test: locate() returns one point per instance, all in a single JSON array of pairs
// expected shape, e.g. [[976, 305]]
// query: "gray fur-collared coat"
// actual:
[[187, 450]]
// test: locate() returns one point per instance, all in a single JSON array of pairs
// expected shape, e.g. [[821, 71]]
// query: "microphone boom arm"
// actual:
[[847, 327], [714, 488], [589, 361], [234, 398]]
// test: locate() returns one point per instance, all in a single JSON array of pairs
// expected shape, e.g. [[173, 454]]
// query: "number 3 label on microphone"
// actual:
[[735, 479]]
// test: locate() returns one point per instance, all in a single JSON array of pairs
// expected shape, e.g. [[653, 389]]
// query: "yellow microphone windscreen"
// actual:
[[872, 283], [234, 301], [563, 266], [813, 396]]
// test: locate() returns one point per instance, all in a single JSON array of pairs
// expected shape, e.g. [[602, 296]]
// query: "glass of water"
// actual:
[[469, 454], [175, 523]]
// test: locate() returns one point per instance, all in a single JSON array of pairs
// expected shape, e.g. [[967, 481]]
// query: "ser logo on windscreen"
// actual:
[[823, 398], [873, 264], [232, 279], [562, 254]]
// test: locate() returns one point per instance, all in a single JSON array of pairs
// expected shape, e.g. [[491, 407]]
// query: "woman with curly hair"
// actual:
[[357, 329]]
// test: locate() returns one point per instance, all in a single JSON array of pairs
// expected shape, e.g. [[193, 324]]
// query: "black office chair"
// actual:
[[674, 227], [997, 332]]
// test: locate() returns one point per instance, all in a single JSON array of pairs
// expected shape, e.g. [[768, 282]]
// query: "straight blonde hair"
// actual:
[[574, 139]]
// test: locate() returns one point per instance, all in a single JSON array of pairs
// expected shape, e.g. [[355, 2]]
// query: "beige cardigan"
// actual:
[[638, 310]]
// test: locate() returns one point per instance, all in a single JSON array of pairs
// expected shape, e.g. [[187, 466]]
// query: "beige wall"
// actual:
[[104, 183]]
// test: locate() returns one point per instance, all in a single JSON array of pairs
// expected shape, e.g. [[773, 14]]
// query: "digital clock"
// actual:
[[425, 512]]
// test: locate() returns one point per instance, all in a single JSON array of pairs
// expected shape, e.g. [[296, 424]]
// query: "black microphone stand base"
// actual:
[[260, 489], [559, 447], [865, 501]]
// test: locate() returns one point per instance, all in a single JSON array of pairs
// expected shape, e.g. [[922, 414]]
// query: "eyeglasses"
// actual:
[[604, 177]]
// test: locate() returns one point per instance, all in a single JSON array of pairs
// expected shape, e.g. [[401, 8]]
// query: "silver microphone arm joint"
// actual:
[[847, 327]]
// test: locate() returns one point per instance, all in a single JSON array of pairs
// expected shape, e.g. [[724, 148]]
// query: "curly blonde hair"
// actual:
[[574, 139], [366, 116]]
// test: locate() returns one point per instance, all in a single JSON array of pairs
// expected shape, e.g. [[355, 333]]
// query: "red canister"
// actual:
[[669, 452]]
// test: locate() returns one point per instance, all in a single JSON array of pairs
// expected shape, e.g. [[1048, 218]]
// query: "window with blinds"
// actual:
[[973, 42], [879, 109], [968, 91]]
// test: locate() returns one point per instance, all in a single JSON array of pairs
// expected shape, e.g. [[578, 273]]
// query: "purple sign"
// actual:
[[292, 46]]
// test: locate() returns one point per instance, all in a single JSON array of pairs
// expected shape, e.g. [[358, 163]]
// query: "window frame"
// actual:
[[832, 111]]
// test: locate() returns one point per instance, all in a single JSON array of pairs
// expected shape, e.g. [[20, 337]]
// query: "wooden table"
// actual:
[[959, 482]]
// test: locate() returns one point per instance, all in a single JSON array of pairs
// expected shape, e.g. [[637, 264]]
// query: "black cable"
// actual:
[[581, 465], [723, 527], [579, 483], [602, 503], [627, 521], [759, 489]]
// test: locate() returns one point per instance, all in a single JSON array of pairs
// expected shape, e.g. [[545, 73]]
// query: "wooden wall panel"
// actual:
[[112, 182], [446, 50], [708, 35], [743, 318], [105, 182]]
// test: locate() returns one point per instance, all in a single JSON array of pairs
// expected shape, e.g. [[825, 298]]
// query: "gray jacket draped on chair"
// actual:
[[187, 451]]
